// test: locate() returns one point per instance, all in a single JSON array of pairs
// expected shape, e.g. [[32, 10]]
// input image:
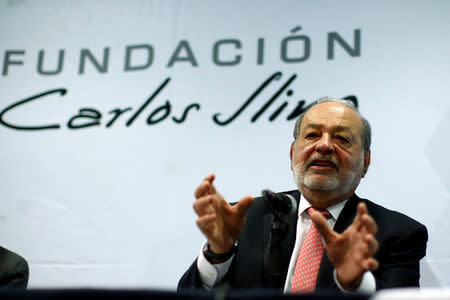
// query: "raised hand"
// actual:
[[351, 252], [219, 221]]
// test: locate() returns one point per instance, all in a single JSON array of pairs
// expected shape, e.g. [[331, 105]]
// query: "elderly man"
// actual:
[[335, 239]]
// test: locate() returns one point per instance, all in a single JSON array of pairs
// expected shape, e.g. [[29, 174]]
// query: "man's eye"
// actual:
[[311, 135], [342, 139]]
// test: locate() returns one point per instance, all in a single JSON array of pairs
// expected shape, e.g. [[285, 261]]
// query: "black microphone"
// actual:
[[282, 208], [278, 202]]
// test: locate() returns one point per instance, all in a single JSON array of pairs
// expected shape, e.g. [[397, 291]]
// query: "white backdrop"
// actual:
[[111, 206]]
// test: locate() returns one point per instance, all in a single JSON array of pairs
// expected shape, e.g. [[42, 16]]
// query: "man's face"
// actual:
[[328, 154]]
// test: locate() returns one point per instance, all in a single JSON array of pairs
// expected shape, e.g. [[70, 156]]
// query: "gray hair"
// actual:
[[366, 132]]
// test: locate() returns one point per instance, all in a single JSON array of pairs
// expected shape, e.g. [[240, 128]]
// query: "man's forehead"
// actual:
[[332, 114], [320, 126]]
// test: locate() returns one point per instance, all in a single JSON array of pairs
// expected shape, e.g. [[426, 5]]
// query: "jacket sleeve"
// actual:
[[190, 280]]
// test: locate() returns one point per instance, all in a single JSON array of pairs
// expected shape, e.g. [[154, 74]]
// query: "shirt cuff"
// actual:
[[211, 274], [367, 285]]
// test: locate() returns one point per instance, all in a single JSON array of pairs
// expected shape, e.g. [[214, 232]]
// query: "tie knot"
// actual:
[[324, 212]]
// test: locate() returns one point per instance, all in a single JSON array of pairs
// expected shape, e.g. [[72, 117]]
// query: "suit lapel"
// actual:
[[347, 215]]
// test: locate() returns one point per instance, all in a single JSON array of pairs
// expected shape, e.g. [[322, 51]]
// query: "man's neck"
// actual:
[[324, 199]]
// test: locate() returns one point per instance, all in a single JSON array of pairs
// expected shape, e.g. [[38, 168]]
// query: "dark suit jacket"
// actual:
[[402, 243], [13, 270]]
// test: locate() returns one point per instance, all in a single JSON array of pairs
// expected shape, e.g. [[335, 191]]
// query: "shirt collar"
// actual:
[[334, 210]]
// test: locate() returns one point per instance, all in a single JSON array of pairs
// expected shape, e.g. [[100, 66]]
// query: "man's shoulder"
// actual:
[[388, 217], [11, 261], [13, 269], [9, 254]]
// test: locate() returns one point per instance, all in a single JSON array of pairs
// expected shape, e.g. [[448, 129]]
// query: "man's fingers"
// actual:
[[322, 226], [243, 205], [371, 264], [204, 221], [202, 204], [206, 187], [363, 221], [361, 210], [201, 190], [369, 223], [372, 244], [210, 177]]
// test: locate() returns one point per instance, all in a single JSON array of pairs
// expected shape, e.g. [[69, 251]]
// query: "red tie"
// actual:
[[309, 258]]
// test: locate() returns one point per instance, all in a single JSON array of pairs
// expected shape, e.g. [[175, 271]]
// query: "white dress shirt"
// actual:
[[211, 274]]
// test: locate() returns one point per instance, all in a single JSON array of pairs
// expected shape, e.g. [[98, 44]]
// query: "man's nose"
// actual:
[[325, 145]]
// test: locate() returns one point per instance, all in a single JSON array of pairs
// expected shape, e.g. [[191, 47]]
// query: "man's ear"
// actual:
[[366, 162], [292, 151]]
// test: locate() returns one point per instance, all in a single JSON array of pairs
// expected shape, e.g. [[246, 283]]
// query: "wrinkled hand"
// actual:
[[219, 221], [351, 252]]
